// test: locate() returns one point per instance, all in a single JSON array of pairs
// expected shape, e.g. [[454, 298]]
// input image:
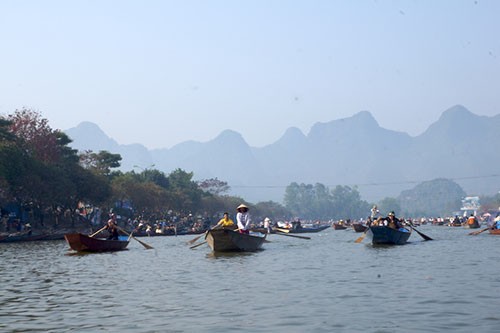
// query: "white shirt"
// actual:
[[243, 220]]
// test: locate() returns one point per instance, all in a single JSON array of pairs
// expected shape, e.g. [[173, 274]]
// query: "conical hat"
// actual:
[[241, 206]]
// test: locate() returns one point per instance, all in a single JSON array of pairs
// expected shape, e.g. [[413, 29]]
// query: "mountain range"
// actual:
[[352, 151]]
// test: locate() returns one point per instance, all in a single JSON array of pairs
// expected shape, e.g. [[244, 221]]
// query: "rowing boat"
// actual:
[[386, 235], [226, 240], [83, 243]]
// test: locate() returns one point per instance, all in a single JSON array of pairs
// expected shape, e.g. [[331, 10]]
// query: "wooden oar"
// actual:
[[360, 238], [203, 234], [288, 235], [283, 230], [98, 231], [147, 246], [479, 231], [195, 246], [425, 237]]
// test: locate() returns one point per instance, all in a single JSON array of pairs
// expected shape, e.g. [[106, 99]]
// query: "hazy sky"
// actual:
[[163, 72]]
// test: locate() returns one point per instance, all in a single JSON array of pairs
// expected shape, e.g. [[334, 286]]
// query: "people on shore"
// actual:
[[243, 219]]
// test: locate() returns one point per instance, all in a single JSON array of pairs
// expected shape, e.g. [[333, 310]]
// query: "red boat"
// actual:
[[83, 243], [495, 231]]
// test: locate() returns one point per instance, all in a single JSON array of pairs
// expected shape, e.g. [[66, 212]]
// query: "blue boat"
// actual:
[[386, 235]]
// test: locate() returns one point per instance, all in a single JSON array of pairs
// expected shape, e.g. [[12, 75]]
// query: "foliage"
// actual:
[[100, 163], [387, 205], [438, 197], [318, 202], [214, 186]]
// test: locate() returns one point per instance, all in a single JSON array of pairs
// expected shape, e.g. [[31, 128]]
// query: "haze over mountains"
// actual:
[[353, 151]]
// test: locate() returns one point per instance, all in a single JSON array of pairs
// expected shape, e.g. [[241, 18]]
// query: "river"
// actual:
[[326, 284]]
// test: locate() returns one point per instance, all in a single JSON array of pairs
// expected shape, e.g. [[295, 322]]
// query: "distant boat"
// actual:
[[358, 227], [386, 235], [339, 226], [226, 240], [495, 231], [301, 229], [83, 243]]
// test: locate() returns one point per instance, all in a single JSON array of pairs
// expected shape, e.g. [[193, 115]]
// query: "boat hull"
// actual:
[[358, 227], [83, 243], [303, 230], [386, 235], [495, 231], [225, 240]]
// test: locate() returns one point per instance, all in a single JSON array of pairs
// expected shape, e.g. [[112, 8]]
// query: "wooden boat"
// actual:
[[301, 229], [339, 226], [494, 231], [20, 237], [226, 240], [358, 227], [386, 235], [83, 243]]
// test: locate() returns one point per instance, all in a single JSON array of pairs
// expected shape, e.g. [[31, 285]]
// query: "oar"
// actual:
[[203, 234], [479, 231], [288, 235], [425, 237], [197, 237], [283, 230], [147, 246], [98, 231], [195, 246], [360, 238]]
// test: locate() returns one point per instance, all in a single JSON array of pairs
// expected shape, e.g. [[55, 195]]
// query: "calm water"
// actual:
[[326, 284]]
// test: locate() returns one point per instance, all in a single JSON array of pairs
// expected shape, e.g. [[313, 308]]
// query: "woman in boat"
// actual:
[[226, 222], [243, 219], [112, 228]]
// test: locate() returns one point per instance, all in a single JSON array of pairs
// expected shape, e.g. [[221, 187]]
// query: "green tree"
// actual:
[[387, 205], [100, 163], [438, 197]]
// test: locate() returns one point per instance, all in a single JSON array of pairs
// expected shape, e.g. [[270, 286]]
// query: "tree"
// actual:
[[387, 205], [438, 197], [101, 163], [214, 186], [36, 136]]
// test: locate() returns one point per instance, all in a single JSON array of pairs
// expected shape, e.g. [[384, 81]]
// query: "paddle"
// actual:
[[425, 237], [278, 232], [360, 238], [195, 246], [147, 246], [203, 234], [98, 231], [283, 230], [479, 231]]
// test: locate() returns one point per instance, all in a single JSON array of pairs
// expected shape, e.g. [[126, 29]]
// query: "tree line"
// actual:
[[42, 177]]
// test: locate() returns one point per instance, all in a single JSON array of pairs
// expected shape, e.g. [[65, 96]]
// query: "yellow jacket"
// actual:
[[226, 223]]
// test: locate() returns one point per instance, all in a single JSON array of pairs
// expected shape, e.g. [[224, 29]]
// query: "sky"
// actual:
[[160, 73]]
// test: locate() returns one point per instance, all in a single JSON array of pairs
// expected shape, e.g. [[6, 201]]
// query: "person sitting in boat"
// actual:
[[496, 222], [112, 228], [392, 221], [225, 222], [472, 221], [296, 225], [243, 219]]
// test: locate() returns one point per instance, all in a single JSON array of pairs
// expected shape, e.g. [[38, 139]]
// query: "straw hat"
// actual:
[[242, 206]]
